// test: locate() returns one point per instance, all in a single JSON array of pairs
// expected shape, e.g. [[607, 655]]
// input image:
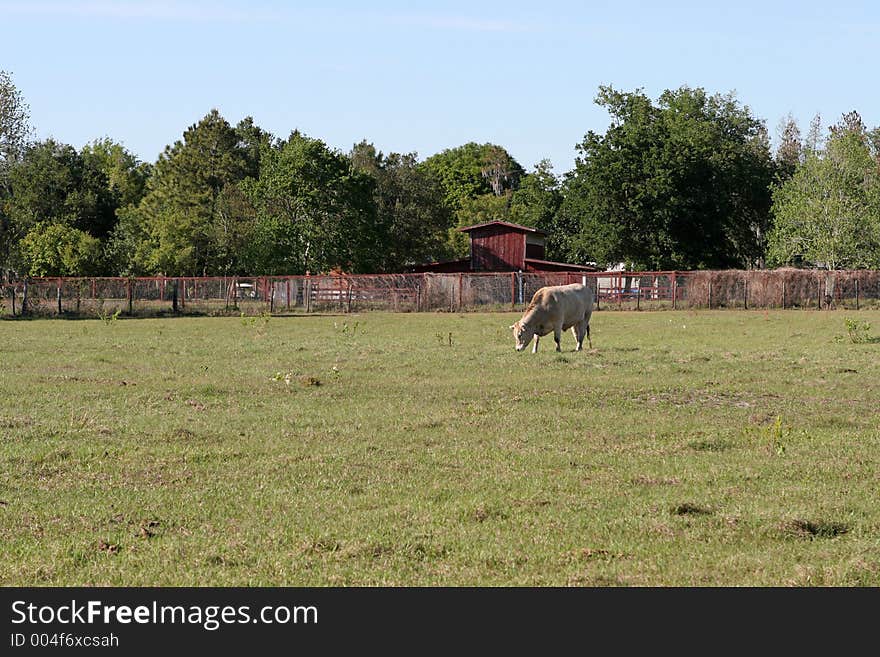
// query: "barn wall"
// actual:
[[497, 248]]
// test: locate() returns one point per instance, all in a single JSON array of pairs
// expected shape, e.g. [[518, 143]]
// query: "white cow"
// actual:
[[556, 308]]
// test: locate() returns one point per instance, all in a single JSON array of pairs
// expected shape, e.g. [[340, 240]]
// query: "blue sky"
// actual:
[[424, 76]]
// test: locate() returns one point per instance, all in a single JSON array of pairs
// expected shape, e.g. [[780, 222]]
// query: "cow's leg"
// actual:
[[557, 336], [588, 335], [578, 331], [535, 348]]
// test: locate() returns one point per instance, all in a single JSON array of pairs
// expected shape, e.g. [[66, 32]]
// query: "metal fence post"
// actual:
[[674, 289], [512, 290]]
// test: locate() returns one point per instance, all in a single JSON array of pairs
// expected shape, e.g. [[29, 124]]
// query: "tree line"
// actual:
[[688, 181]]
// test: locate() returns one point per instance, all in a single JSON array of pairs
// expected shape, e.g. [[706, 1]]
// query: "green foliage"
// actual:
[[776, 435], [179, 217], [126, 176], [54, 249], [537, 199], [346, 329], [857, 330], [259, 322], [109, 318], [791, 151], [477, 210], [412, 218], [14, 133], [314, 211], [683, 184], [536, 203], [53, 182], [473, 170], [828, 212]]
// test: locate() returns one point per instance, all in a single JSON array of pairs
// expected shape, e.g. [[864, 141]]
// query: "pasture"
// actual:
[[687, 448]]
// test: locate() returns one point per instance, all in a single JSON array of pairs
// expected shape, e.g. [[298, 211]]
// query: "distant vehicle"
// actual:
[[245, 290]]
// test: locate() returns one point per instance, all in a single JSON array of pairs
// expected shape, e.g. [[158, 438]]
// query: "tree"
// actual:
[[538, 197], [252, 140], [473, 170], [177, 216], [14, 133], [53, 183], [683, 184], [14, 126], [412, 219], [828, 212], [789, 152], [126, 176], [55, 249], [314, 211]]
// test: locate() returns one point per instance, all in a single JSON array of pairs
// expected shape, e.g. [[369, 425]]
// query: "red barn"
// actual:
[[502, 246]]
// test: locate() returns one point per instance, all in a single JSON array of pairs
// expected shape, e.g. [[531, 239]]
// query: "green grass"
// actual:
[[710, 448]]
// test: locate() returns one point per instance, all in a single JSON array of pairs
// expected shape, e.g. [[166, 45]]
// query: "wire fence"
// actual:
[[105, 297]]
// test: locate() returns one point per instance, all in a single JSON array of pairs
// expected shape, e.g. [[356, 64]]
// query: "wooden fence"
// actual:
[[104, 297]]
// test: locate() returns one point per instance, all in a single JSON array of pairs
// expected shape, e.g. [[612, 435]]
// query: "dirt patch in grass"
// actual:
[[810, 529], [483, 513], [7, 422], [643, 480], [594, 554], [689, 509], [712, 445]]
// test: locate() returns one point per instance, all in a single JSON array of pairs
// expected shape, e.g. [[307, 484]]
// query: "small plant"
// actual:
[[283, 376], [774, 436], [345, 329], [444, 339], [107, 318], [776, 433], [857, 330], [261, 321]]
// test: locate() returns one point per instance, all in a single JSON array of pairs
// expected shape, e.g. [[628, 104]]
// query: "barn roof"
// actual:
[[515, 227], [543, 265]]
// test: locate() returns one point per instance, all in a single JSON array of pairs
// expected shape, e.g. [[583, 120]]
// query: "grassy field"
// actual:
[[687, 448]]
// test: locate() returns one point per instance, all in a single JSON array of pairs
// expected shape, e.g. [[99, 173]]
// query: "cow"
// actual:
[[556, 308]]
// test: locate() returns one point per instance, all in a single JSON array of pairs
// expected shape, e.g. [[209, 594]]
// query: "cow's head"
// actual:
[[522, 334]]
